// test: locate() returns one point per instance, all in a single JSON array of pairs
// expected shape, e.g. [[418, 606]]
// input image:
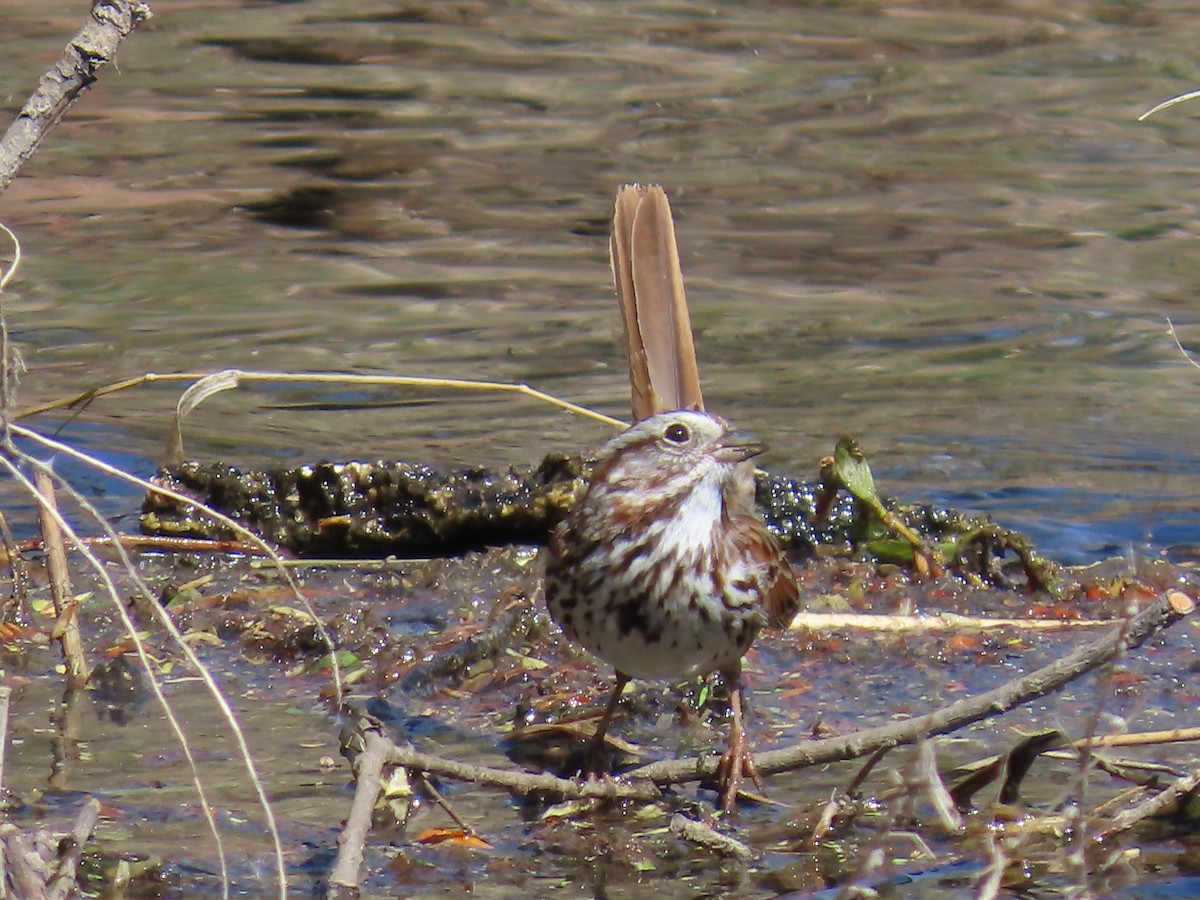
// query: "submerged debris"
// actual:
[[412, 510], [370, 509]]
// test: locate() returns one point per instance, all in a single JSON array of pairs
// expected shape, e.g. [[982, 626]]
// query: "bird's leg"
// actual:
[[595, 749], [738, 761]]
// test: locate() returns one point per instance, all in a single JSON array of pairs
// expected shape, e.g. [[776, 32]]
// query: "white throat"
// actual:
[[696, 519]]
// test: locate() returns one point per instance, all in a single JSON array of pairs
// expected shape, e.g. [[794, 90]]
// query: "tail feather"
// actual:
[[645, 261]]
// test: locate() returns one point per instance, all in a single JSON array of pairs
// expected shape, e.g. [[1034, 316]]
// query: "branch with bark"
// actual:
[[645, 782], [65, 82]]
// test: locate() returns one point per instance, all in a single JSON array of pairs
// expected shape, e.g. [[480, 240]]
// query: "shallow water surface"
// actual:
[[937, 227]]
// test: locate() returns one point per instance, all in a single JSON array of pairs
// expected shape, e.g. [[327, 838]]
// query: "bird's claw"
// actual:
[[736, 764]]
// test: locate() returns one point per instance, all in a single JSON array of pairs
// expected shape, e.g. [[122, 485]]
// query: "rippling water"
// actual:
[[938, 228]]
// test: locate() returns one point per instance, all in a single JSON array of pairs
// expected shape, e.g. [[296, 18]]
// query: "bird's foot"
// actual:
[[736, 765]]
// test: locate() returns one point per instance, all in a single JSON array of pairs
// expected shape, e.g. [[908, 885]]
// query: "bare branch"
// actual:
[[1156, 805], [522, 782], [66, 630], [1160, 614], [641, 783], [706, 836], [344, 879], [76, 70]]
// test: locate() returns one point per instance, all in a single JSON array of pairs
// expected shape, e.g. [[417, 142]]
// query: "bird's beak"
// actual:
[[736, 447]]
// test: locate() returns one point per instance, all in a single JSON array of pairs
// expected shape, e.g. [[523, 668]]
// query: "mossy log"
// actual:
[[411, 510]]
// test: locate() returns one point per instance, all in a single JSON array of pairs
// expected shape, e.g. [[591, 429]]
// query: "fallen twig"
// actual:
[[641, 783], [942, 621], [1161, 613], [522, 782], [151, 542], [62, 883], [977, 774], [368, 769], [76, 70], [24, 869], [42, 866], [1156, 805], [66, 629], [708, 837]]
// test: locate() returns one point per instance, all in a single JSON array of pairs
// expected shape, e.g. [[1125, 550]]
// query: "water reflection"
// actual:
[[940, 229]]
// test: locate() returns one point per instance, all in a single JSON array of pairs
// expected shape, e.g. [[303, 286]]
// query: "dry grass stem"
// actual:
[[114, 596], [926, 768], [5, 697], [242, 376], [248, 536], [1140, 738], [1167, 104]]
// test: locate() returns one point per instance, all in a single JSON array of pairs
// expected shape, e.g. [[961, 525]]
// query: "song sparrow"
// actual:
[[664, 569]]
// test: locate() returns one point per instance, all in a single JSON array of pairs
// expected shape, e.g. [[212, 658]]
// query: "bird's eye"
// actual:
[[677, 434]]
